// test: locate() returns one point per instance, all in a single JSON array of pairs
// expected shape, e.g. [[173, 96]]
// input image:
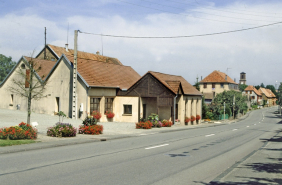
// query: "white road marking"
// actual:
[[255, 124], [248, 126], [210, 135], [234, 129], [147, 134], [156, 146]]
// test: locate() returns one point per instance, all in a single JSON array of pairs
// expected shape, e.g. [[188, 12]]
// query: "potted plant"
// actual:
[[110, 114], [187, 119], [193, 119], [96, 115]]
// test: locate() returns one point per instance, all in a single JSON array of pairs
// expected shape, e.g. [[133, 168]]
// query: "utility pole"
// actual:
[[233, 106], [45, 46], [224, 111], [74, 78]]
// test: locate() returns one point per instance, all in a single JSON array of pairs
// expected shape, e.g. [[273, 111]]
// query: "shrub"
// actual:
[[166, 123], [198, 117], [157, 124], [153, 117], [96, 115], [23, 131], [110, 114], [144, 125], [193, 118], [89, 120], [92, 129], [62, 130], [187, 119]]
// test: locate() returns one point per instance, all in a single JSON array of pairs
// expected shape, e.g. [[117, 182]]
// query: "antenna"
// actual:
[[227, 70], [45, 46], [102, 45], [68, 33]]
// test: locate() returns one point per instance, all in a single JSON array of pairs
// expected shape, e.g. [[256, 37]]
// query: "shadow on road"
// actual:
[[272, 168]]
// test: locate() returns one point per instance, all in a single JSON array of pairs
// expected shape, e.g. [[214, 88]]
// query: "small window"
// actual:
[[222, 85], [127, 109], [205, 85], [251, 92], [109, 104], [95, 104], [23, 66], [213, 85], [12, 100]]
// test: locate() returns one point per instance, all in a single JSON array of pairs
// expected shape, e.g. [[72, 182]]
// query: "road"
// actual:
[[194, 156]]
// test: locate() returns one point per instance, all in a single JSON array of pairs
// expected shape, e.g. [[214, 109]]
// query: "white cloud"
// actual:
[[256, 52]]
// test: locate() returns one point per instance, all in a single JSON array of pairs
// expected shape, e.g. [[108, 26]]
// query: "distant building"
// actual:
[[254, 96], [268, 97], [243, 78], [215, 83]]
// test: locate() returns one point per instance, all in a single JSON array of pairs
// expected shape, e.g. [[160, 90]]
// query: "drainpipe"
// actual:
[[174, 106], [87, 101]]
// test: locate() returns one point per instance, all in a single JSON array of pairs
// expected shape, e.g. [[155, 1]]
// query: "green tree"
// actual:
[[204, 108], [262, 85], [228, 97], [6, 65], [28, 84], [257, 87], [242, 87], [272, 88]]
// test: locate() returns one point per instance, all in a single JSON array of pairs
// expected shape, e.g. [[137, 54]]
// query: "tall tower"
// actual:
[[242, 78]]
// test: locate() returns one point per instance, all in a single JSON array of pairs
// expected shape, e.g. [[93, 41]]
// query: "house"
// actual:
[[103, 84], [254, 96], [215, 83], [269, 98]]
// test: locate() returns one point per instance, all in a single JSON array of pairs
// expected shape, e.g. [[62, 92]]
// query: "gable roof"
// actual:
[[252, 88], [101, 74], [173, 83], [58, 51], [267, 92], [217, 77], [45, 66]]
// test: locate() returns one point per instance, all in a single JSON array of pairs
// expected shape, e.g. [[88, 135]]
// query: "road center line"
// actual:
[[210, 135], [248, 126], [234, 129], [147, 134], [255, 124], [156, 146]]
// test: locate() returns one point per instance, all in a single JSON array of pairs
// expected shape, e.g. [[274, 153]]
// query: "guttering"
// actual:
[[105, 87], [174, 106]]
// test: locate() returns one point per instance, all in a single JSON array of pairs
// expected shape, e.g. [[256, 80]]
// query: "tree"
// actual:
[[28, 84], [6, 65], [242, 87], [257, 87], [272, 88], [262, 85], [197, 86], [228, 97]]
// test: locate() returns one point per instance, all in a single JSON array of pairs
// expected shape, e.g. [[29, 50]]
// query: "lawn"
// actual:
[[15, 142]]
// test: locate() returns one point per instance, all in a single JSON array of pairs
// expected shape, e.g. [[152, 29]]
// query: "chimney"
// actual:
[[67, 47], [97, 53], [225, 77]]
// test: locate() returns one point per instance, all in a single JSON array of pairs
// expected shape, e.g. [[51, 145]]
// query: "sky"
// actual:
[[257, 52]]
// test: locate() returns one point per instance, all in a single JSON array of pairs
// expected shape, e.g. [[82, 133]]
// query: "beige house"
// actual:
[[103, 83], [268, 97], [215, 83]]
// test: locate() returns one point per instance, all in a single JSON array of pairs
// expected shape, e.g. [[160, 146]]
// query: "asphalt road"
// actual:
[[194, 156]]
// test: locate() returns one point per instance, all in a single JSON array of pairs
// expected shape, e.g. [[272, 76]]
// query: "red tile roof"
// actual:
[[84, 55], [252, 88], [267, 92], [101, 74], [217, 77], [171, 82], [45, 65]]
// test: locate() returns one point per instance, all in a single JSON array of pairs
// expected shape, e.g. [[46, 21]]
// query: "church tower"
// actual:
[[242, 78]]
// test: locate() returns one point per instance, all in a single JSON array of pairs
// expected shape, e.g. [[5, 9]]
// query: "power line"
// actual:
[[215, 9], [182, 14], [183, 36], [207, 13]]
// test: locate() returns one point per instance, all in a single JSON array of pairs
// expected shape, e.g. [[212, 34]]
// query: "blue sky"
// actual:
[[257, 52]]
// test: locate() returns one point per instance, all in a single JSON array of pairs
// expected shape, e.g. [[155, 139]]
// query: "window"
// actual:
[[27, 76], [222, 85], [127, 109], [12, 100], [109, 104], [23, 66], [94, 104], [251, 92], [213, 85], [205, 85]]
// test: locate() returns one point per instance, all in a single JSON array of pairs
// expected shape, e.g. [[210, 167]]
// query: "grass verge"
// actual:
[[15, 142]]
